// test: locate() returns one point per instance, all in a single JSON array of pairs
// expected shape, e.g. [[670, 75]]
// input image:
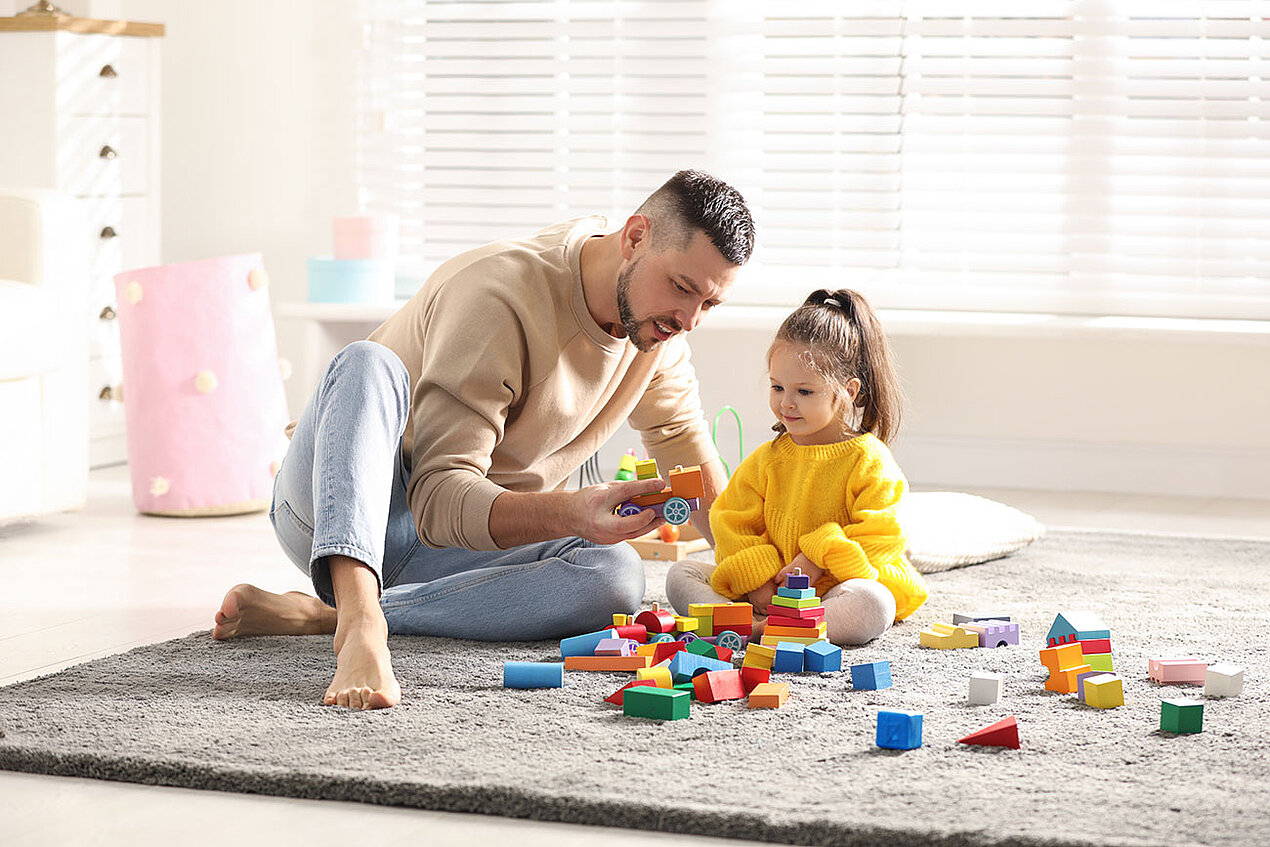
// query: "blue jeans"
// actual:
[[341, 490]]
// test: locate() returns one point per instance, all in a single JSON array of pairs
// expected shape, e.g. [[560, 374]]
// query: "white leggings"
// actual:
[[856, 611]]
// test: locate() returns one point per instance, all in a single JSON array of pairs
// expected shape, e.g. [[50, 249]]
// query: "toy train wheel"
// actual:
[[730, 640], [688, 637], [627, 510], [676, 511], [660, 637]]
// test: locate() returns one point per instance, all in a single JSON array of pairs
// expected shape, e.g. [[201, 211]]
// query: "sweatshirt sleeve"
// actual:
[[745, 555], [871, 545], [669, 416], [472, 373]]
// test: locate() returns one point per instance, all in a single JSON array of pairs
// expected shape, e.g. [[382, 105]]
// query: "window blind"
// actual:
[[1073, 156]]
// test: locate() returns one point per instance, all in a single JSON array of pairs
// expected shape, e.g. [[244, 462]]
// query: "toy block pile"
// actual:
[[1079, 660], [1088, 630], [728, 624], [971, 630], [795, 614]]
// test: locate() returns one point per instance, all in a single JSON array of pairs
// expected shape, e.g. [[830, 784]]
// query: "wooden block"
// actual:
[[717, 686], [686, 624], [650, 546], [1104, 691], [769, 695], [662, 704], [730, 615], [817, 631], [788, 612], [790, 603], [687, 482], [752, 677], [758, 656], [606, 663], [773, 640], [1064, 656], [617, 696], [659, 675], [810, 621], [646, 469], [1003, 733]]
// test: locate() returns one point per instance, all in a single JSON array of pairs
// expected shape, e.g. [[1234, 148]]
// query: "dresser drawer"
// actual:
[[101, 156], [103, 75], [102, 319], [122, 234], [105, 415]]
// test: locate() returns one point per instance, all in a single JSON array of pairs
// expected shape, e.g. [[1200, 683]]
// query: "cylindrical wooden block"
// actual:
[[203, 396]]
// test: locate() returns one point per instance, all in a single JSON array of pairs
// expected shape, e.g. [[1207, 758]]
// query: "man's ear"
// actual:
[[635, 233]]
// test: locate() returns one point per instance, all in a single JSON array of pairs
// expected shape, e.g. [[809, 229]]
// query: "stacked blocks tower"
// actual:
[[795, 614], [203, 395], [1087, 630]]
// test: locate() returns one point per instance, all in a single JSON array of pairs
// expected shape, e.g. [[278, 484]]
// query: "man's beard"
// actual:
[[627, 315]]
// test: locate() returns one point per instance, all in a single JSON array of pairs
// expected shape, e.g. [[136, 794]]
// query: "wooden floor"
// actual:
[[77, 586]]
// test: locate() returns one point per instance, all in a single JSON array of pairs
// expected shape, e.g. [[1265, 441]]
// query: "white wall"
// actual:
[[257, 151]]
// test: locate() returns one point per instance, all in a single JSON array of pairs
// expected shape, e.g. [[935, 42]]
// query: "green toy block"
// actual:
[[659, 704], [1100, 662], [791, 603], [1181, 716], [687, 686], [702, 648]]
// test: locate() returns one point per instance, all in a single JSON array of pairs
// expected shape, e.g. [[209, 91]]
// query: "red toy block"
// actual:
[[1003, 733], [790, 612], [739, 629], [1093, 646], [635, 631], [752, 676], [782, 620], [716, 686], [723, 652], [665, 649], [656, 619], [616, 697]]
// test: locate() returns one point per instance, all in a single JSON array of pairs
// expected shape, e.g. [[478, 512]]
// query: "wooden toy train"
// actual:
[[676, 502]]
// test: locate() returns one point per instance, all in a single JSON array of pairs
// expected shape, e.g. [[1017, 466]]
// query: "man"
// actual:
[[423, 488]]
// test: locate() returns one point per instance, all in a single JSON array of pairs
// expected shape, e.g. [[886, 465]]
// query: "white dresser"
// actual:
[[79, 111]]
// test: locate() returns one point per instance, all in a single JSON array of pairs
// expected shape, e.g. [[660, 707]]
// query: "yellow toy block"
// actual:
[[759, 656], [772, 640], [818, 630], [620, 619], [942, 636], [658, 674], [1105, 691], [1100, 662], [769, 695], [646, 469], [701, 610], [686, 624], [627, 463], [649, 649]]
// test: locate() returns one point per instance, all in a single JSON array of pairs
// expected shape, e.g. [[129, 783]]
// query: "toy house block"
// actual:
[[584, 645], [960, 618], [636, 632], [1182, 716], [656, 619], [1056, 658], [619, 695], [797, 579], [769, 695], [1003, 733], [985, 688], [789, 639], [1104, 691], [993, 633], [759, 656], [1076, 626], [817, 631], [533, 674], [1167, 671], [658, 675], [687, 482], [822, 657], [683, 623], [615, 647], [752, 676], [659, 704], [811, 602], [813, 612], [871, 676], [732, 615], [899, 730], [1064, 682], [684, 666], [646, 469], [788, 657], [1223, 680], [805, 623], [606, 663], [717, 686], [942, 636], [796, 593]]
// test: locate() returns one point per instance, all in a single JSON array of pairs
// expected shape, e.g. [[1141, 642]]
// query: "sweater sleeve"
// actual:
[[745, 556], [871, 544]]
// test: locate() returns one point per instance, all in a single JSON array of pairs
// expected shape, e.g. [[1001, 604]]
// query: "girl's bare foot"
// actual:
[[363, 667], [248, 610]]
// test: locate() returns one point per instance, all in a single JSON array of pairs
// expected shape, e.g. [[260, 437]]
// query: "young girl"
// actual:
[[821, 496]]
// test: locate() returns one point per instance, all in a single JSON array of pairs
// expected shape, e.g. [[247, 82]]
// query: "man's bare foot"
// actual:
[[248, 610], [363, 667]]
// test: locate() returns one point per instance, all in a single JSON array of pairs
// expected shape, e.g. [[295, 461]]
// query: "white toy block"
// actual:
[[1223, 680], [985, 688]]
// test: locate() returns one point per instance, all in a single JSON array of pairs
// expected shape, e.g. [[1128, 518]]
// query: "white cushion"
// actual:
[[948, 529], [31, 328]]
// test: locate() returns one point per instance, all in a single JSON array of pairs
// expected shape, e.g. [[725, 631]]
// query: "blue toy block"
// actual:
[[872, 675], [684, 666], [899, 730], [797, 580], [789, 657], [822, 657], [796, 593], [533, 674], [584, 645]]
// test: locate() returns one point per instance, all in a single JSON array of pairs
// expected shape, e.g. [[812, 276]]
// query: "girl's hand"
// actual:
[[760, 597], [806, 565]]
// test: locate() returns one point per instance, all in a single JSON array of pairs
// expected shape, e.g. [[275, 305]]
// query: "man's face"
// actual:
[[661, 294]]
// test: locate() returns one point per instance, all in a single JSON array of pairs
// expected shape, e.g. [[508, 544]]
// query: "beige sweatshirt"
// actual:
[[514, 385]]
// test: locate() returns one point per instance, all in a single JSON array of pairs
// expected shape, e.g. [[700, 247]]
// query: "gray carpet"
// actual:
[[243, 716]]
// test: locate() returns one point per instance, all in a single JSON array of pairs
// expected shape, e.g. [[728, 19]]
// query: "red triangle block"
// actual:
[[620, 694], [1003, 733]]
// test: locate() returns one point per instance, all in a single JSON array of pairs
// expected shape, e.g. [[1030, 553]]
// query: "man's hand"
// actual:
[[593, 511], [803, 563]]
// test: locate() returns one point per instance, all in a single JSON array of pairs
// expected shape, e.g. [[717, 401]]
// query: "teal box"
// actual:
[[351, 280]]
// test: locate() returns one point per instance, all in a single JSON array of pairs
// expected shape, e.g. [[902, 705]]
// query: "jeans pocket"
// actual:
[[294, 535]]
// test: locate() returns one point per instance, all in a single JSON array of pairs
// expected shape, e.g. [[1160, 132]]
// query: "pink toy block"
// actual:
[[1166, 671], [203, 397]]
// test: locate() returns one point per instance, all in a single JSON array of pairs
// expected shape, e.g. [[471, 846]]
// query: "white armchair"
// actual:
[[44, 280]]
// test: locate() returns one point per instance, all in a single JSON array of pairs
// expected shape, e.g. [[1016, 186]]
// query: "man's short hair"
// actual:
[[695, 200]]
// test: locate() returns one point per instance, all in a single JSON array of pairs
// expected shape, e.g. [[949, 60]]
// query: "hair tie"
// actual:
[[831, 301]]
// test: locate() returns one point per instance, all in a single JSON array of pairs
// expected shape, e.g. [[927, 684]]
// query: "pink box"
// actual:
[[1177, 670], [203, 397], [366, 237]]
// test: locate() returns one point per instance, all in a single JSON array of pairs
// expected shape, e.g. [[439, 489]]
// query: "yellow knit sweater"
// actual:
[[835, 503]]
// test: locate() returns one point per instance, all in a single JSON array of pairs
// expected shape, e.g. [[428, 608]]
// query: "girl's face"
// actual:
[[803, 400]]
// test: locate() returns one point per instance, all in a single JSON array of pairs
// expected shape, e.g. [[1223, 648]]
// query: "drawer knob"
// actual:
[[108, 232], [107, 152], [111, 392], [108, 314], [108, 71]]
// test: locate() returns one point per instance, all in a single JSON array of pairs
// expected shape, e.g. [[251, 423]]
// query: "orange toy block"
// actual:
[[1066, 656], [1066, 680], [606, 663], [769, 695], [732, 615], [752, 677], [717, 686], [798, 631], [687, 482]]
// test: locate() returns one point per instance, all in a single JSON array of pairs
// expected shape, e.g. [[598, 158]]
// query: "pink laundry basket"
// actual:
[[203, 396]]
